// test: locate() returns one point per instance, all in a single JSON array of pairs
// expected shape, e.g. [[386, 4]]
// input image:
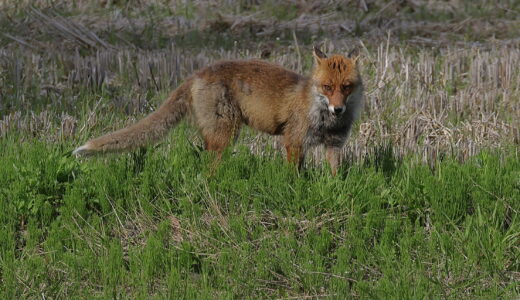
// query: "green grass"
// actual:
[[162, 222]]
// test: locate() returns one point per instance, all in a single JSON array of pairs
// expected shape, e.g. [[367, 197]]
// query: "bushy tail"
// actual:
[[148, 130]]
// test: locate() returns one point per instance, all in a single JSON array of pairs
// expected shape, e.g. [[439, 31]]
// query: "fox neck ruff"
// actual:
[[326, 127]]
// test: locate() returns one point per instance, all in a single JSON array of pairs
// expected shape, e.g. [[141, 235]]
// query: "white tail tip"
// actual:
[[80, 151]]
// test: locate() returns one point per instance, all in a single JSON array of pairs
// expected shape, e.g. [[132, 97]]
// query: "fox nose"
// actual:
[[338, 110]]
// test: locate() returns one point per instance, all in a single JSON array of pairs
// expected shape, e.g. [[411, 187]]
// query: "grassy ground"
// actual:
[[161, 223], [426, 204]]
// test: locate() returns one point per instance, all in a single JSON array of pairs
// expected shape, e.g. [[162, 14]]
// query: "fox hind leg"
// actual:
[[295, 155], [217, 140], [217, 114]]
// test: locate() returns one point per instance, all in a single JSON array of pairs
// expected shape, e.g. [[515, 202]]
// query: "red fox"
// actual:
[[306, 111]]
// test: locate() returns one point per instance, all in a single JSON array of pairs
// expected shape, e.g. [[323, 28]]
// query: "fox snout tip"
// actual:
[[337, 110]]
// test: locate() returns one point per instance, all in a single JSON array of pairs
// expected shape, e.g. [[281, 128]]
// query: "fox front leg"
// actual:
[[333, 158]]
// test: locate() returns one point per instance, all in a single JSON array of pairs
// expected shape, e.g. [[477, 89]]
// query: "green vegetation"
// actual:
[[163, 223], [426, 204]]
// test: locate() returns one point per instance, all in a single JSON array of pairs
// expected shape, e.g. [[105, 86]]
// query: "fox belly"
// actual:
[[220, 107]]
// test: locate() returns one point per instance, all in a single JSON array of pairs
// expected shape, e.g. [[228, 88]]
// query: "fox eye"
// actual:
[[327, 88], [346, 86]]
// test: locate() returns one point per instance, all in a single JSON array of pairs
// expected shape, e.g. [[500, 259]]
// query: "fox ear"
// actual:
[[354, 54], [318, 55]]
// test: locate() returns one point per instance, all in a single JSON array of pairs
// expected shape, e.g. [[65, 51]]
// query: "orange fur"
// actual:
[[307, 111]]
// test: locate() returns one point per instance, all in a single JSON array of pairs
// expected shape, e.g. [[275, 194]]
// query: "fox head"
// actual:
[[335, 78]]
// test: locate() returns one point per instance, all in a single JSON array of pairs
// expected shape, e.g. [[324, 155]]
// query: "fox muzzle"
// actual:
[[337, 110]]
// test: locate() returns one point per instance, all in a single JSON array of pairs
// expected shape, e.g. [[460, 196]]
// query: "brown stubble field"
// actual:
[[433, 85]]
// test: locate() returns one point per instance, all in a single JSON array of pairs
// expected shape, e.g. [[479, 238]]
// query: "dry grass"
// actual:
[[433, 102], [456, 98]]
